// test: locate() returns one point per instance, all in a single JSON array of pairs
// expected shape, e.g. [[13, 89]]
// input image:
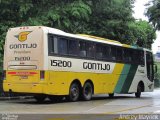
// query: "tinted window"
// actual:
[[113, 53], [99, 51], [127, 55], [107, 52], [62, 46], [52, 44], [82, 49], [73, 47], [90, 50], [119, 54], [69, 46], [103, 52], [135, 56]]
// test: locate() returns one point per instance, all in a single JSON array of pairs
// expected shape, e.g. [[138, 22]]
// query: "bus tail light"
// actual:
[[4, 75], [42, 75]]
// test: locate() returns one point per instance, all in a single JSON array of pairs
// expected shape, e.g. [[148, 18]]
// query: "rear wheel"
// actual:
[[139, 90], [74, 92], [40, 98], [87, 91]]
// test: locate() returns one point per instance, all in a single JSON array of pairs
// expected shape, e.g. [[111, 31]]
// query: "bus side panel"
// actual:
[[122, 78], [141, 75], [114, 78], [60, 81]]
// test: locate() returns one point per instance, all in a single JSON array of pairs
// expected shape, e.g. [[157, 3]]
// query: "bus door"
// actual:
[[149, 66]]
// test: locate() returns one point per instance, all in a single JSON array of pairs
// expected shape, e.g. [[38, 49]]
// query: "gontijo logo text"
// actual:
[[23, 36]]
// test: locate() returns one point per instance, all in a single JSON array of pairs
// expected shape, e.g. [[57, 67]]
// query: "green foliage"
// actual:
[[157, 75], [142, 33], [105, 18], [153, 13]]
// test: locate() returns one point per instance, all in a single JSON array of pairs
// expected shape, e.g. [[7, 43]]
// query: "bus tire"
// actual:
[[139, 90], [111, 95], [87, 91], [74, 92], [40, 98]]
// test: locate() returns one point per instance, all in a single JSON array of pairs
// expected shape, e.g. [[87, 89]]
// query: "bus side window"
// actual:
[[99, 49], [73, 47], [134, 57], [52, 43], [62, 46], [130, 55], [90, 50], [82, 49], [113, 53], [119, 54], [127, 55], [106, 52]]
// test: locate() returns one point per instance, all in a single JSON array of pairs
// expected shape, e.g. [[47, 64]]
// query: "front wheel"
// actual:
[[138, 93], [74, 92], [87, 91], [111, 95]]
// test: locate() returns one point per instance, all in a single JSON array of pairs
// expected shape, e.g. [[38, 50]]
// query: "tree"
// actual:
[[111, 19], [67, 15], [141, 33], [153, 13]]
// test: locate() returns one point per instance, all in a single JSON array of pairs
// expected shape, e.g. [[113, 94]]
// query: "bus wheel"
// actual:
[[74, 92], [139, 90], [40, 98], [111, 95], [87, 91], [54, 98]]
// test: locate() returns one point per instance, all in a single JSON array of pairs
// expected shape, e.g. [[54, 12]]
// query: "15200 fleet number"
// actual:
[[61, 63]]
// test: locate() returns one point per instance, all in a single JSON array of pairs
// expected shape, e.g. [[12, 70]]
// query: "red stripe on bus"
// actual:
[[12, 73], [22, 73], [32, 73]]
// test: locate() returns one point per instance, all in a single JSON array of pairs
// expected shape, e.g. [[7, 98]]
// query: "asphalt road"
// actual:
[[100, 107]]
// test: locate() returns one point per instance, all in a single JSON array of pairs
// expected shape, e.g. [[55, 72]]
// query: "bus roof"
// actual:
[[82, 36], [98, 38]]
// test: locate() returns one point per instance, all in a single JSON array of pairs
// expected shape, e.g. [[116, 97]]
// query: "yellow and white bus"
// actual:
[[48, 62]]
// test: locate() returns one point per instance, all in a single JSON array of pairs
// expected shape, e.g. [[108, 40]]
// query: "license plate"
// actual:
[[24, 77]]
